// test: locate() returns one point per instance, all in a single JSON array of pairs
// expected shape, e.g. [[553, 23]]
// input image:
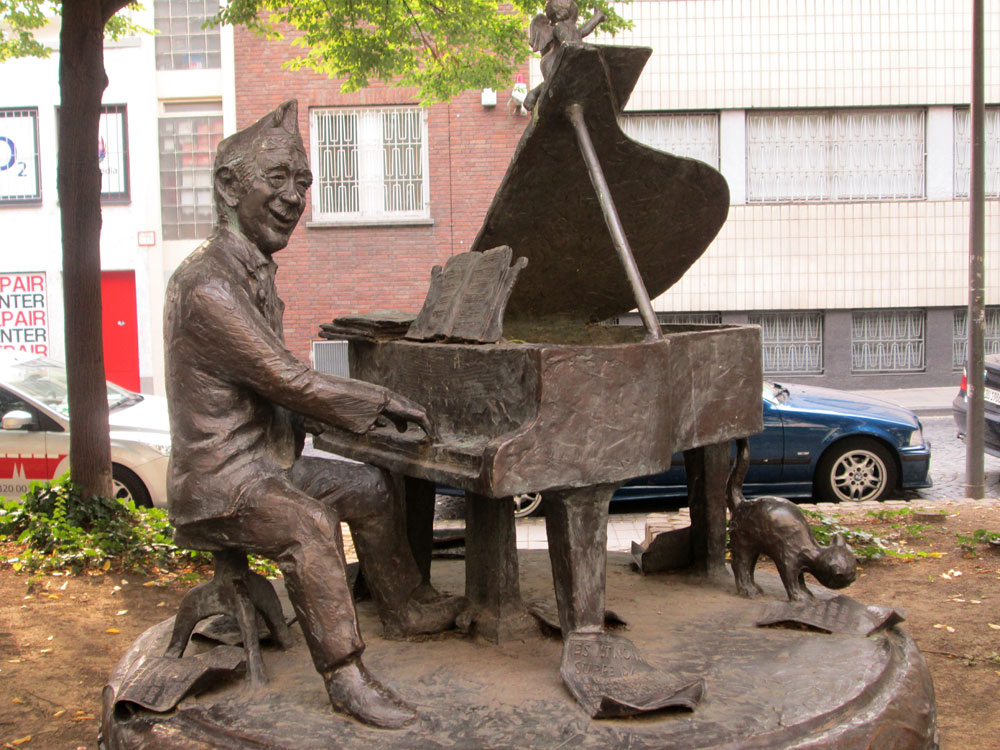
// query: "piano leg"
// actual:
[[420, 523], [604, 672], [492, 581], [576, 523], [707, 470]]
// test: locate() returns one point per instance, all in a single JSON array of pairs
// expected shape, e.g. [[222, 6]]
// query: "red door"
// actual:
[[119, 323]]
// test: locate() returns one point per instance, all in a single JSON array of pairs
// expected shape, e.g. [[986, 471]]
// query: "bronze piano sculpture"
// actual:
[[528, 394], [561, 405]]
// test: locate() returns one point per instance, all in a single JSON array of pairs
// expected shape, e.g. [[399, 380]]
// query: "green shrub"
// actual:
[[970, 544], [61, 528]]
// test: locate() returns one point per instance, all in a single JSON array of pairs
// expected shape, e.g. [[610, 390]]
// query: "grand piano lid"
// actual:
[[547, 210]]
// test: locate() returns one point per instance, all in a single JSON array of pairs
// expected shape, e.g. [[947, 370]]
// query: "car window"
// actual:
[[11, 402], [45, 381]]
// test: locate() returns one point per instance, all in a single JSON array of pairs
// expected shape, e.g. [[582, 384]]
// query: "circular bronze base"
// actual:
[[765, 687]]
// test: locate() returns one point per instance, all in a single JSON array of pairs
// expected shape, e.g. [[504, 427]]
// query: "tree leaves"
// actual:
[[20, 19], [439, 48]]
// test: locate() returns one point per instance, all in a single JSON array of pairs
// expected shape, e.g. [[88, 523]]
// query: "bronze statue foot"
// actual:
[[421, 618], [353, 690], [425, 593]]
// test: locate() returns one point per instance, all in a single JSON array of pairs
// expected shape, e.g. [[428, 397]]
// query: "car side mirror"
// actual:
[[19, 419]]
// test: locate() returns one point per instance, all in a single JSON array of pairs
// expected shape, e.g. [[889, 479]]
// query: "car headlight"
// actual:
[[916, 437]]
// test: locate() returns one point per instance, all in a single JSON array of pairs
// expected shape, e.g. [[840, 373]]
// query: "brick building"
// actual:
[[410, 186], [842, 129]]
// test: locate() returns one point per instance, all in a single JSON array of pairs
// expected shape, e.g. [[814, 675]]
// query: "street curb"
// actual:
[[932, 411]]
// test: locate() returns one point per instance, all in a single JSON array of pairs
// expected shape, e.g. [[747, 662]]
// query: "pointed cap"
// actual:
[[276, 128]]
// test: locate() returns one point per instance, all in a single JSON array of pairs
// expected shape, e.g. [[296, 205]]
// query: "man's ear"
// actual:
[[228, 186]]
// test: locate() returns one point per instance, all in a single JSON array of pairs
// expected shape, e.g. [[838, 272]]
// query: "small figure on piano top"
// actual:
[[547, 33], [238, 400]]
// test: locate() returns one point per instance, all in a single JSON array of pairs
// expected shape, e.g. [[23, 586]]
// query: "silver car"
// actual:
[[34, 439]]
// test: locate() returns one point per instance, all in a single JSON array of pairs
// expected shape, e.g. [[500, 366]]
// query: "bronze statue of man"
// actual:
[[237, 400]]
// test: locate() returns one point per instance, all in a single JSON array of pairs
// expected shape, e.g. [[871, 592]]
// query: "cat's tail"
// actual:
[[734, 487]]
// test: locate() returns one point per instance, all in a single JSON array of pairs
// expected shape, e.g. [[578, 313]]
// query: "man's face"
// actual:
[[275, 199]]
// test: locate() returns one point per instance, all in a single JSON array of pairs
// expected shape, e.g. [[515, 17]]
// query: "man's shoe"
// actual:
[[425, 593], [353, 690], [421, 618]]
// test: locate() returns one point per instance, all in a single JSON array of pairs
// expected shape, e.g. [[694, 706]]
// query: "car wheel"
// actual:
[[530, 503], [127, 486], [855, 470]]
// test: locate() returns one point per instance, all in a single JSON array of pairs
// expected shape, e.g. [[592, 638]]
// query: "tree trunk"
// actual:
[[82, 81]]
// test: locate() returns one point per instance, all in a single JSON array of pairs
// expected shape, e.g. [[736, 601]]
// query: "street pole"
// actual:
[[975, 484]]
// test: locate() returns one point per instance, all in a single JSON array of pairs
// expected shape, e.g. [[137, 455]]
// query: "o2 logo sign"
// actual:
[[8, 157], [18, 162]]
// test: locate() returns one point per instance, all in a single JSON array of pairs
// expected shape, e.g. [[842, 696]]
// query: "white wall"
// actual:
[[839, 255], [32, 233], [732, 56], [741, 54]]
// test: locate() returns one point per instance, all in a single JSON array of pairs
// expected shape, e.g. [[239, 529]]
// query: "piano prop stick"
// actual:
[[576, 116]]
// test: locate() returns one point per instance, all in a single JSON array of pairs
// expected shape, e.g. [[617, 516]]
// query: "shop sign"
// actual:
[[24, 313], [19, 155]]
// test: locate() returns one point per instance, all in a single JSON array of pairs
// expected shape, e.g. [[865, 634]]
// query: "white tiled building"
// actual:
[[842, 128], [169, 99]]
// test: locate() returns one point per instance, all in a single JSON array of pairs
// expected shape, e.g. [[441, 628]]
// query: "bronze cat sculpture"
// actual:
[[775, 527]]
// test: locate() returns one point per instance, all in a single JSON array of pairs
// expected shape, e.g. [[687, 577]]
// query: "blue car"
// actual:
[[831, 445]]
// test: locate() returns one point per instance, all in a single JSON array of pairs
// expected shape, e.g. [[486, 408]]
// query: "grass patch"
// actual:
[[866, 546], [889, 514]]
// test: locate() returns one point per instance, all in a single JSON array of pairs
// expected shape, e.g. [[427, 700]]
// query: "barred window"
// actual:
[[963, 148], [181, 42], [689, 318], [20, 172], [960, 335], [848, 155], [888, 341], [187, 151], [369, 164], [692, 135], [792, 341], [112, 152], [331, 357]]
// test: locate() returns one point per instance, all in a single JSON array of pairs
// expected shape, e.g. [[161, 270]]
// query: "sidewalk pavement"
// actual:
[[925, 402], [625, 528]]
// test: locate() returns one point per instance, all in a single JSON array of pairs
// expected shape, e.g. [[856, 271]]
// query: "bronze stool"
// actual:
[[236, 591]]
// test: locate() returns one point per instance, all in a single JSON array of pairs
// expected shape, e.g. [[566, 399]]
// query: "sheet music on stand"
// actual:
[[467, 298]]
